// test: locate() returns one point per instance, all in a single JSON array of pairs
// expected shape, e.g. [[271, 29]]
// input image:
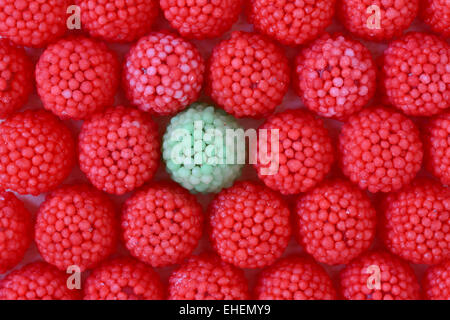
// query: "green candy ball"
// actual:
[[204, 149]]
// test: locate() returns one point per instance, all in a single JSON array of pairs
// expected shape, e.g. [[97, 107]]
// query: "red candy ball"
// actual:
[[119, 150], [118, 20], [379, 276], [437, 147], [436, 13], [162, 224], [303, 156], [436, 282], [206, 277], [15, 231], [33, 23], [77, 77], [380, 150], [416, 74], [248, 75], [377, 20], [36, 281], [294, 278], [336, 222], [291, 22], [250, 226], [16, 74], [76, 226], [37, 152], [163, 74], [123, 279], [416, 222], [201, 19], [335, 76]]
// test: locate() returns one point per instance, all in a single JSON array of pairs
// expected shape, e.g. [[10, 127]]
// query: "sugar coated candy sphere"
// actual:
[[37, 281], [123, 278], [248, 75], [416, 74], [379, 276], [76, 226], [196, 151], [380, 150], [294, 278], [16, 231], [33, 23], [16, 78], [206, 277], [436, 282], [335, 222], [37, 152], [249, 225], [295, 151], [118, 20], [162, 224], [335, 76], [416, 222], [163, 73], [437, 147], [377, 20], [436, 13], [77, 77], [291, 22], [119, 150], [201, 19]]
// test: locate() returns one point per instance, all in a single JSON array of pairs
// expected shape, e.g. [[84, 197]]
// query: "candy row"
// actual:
[[249, 227], [247, 75]]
